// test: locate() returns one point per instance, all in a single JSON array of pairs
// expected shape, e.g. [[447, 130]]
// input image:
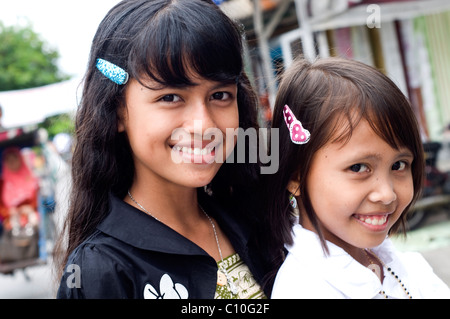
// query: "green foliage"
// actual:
[[25, 59], [62, 123]]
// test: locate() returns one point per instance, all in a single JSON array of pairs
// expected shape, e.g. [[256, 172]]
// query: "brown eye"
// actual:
[[358, 168], [170, 98], [399, 166], [221, 96]]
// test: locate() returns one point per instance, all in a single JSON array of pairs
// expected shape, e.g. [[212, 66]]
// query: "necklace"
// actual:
[[222, 275], [382, 292], [141, 207]]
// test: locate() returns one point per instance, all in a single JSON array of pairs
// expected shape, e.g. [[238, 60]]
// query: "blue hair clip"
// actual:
[[112, 71]]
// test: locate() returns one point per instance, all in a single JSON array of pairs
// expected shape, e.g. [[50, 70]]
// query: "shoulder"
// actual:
[[417, 272], [421, 274], [100, 247], [301, 278], [98, 268], [308, 272]]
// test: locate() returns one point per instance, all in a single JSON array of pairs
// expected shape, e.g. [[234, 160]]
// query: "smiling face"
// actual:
[[359, 188], [186, 158]]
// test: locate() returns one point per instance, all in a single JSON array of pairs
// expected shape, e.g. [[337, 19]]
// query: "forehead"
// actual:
[[350, 132], [344, 124], [362, 142]]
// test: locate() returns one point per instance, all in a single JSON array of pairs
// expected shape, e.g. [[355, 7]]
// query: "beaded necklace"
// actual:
[[368, 252]]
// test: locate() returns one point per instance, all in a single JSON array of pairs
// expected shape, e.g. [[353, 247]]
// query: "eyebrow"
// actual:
[[378, 156], [406, 153]]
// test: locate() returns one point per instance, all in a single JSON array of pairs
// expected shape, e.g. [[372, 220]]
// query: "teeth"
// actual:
[[195, 151], [374, 220]]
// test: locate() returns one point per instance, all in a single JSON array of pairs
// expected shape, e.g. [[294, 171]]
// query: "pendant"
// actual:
[[221, 278], [376, 269], [232, 286]]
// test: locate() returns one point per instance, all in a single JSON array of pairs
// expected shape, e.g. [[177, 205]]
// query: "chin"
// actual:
[[196, 182], [373, 242]]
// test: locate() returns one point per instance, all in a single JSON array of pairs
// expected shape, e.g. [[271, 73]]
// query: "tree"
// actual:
[[61, 123], [26, 61]]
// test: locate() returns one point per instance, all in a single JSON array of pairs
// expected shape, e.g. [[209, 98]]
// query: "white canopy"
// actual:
[[31, 106]]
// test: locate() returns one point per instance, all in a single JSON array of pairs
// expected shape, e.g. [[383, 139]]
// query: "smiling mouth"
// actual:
[[197, 153], [195, 150], [374, 220]]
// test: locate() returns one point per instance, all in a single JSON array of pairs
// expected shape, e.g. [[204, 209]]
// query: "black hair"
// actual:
[[166, 41]]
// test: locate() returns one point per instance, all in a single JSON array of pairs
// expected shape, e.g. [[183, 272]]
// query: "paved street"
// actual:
[[432, 240], [18, 287]]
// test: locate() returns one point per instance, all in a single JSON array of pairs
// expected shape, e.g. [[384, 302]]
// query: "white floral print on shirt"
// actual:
[[167, 290]]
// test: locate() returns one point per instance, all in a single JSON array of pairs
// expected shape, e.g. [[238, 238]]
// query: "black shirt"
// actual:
[[132, 255]]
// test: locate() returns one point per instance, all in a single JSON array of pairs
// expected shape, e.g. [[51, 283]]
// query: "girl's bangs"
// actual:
[[389, 115], [172, 50], [377, 110], [384, 125], [344, 108]]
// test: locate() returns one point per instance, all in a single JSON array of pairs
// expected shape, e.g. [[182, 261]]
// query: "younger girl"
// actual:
[[162, 75], [351, 162]]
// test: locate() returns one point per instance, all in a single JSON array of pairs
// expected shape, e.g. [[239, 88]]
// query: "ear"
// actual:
[[121, 115], [120, 126], [294, 187]]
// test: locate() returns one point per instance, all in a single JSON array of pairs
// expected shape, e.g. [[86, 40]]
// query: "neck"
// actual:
[[178, 209], [173, 206], [356, 252]]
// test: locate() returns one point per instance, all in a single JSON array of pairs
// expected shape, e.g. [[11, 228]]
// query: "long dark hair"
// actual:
[[166, 41], [323, 95]]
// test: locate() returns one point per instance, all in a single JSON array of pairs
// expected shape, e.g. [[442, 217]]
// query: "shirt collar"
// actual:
[[236, 229], [136, 228], [339, 269]]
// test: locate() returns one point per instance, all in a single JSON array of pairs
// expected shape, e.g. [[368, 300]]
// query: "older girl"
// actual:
[[140, 224]]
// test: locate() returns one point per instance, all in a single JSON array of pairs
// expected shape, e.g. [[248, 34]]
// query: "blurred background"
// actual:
[[44, 48]]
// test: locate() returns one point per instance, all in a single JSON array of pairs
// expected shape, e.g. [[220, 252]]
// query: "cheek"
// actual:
[[332, 198], [326, 199], [321, 194], [228, 124], [150, 140], [228, 119], [406, 195]]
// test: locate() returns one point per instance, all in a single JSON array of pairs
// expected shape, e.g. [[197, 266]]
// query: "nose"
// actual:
[[383, 191], [199, 118]]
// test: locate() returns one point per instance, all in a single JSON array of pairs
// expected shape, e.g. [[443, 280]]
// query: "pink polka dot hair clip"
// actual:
[[298, 134]]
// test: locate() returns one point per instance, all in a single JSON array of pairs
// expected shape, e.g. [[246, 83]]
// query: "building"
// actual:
[[406, 39]]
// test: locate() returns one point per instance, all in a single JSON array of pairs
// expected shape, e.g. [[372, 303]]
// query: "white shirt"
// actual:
[[308, 273]]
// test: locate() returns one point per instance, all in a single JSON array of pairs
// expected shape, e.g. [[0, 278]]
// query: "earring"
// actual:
[[208, 190], [292, 201]]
